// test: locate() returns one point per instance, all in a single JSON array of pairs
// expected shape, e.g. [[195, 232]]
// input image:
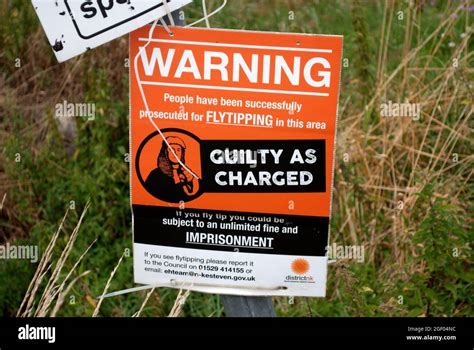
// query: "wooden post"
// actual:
[[235, 305]]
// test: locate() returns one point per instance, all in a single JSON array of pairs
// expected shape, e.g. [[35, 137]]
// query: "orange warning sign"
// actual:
[[232, 144]]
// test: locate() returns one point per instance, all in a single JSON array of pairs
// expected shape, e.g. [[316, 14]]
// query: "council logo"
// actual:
[[300, 266]]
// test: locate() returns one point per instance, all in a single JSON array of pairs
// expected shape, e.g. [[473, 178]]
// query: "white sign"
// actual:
[[75, 26]]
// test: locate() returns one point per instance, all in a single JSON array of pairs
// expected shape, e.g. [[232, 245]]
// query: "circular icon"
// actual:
[[300, 266], [168, 165]]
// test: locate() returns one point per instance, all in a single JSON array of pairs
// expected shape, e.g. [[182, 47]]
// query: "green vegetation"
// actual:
[[403, 188]]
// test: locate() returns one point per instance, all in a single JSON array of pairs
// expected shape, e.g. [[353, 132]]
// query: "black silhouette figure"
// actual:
[[170, 181]]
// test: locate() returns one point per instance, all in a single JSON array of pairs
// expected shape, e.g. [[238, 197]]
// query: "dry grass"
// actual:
[[106, 288], [179, 303], [57, 287], [397, 158]]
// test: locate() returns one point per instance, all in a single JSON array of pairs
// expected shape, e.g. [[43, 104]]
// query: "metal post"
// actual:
[[235, 305], [179, 21], [239, 306]]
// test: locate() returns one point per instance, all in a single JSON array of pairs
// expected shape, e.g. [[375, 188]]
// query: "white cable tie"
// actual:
[[140, 87], [204, 11], [209, 15], [168, 13], [165, 26]]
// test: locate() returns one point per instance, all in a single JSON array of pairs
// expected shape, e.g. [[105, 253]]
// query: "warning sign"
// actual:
[[75, 26], [232, 144]]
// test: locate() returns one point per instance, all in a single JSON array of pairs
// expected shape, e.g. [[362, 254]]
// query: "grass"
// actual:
[[403, 188]]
